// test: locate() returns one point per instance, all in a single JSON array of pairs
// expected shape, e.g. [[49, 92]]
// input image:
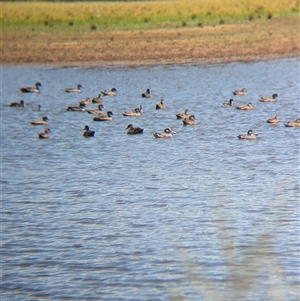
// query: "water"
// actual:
[[201, 216]]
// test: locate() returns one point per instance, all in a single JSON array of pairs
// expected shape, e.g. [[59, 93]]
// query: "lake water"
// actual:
[[201, 216]]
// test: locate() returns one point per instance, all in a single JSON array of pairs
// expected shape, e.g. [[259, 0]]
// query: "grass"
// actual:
[[141, 15]]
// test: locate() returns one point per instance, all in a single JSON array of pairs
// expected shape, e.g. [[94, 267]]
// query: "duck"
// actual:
[[161, 105], [134, 130], [96, 111], [20, 103], [35, 89], [295, 123], [111, 92], [167, 133], [80, 107], [45, 134], [107, 117], [42, 121], [269, 99], [249, 136], [86, 101], [87, 132], [134, 112], [97, 99], [146, 94], [248, 106], [189, 120], [183, 115], [240, 92], [75, 90], [273, 120], [228, 103]]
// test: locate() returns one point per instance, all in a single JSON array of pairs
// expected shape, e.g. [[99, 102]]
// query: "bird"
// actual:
[[31, 89], [249, 136], [273, 120], [134, 112], [269, 99], [295, 123], [87, 132], [20, 103], [189, 120], [45, 134], [97, 99], [240, 92], [80, 107], [167, 133], [228, 103], [75, 90], [183, 115], [107, 117], [161, 105], [42, 121], [96, 111], [146, 94], [134, 130], [86, 101], [111, 92], [248, 106]]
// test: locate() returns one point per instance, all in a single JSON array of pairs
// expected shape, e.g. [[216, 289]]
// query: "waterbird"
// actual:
[[45, 134], [35, 89], [74, 90], [249, 136], [87, 132], [167, 133], [269, 99], [107, 117], [42, 121], [161, 105], [111, 92], [134, 130], [20, 103], [248, 106], [243, 91], [146, 94]]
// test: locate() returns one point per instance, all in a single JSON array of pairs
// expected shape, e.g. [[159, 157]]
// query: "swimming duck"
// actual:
[[31, 89], [228, 103], [75, 90], [96, 111], [134, 130], [86, 101], [183, 115], [249, 136], [133, 112], [80, 107], [107, 117], [97, 99], [167, 133], [240, 92], [269, 99], [248, 106], [189, 120], [42, 121], [111, 92], [45, 134], [161, 105], [20, 103], [146, 94], [273, 120], [295, 123], [87, 132]]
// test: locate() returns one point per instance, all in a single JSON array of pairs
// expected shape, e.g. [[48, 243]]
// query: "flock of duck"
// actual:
[[187, 119]]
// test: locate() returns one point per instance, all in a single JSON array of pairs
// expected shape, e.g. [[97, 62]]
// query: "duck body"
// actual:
[[240, 92], [19, 104], [146, 94], [189, 121], [81, 107], [86, 101], [134, 112], [183, 115], [161, 105], [97, 99], [273, 120], [249, 136], [87, 132], [167, 133], [269, 99], [45, 134], [295, 123], [248, 106], [42, 121], [228, 103], [134, 130], [74, 90], [35, 89], [96, 111], [111, 92], [107, 117]]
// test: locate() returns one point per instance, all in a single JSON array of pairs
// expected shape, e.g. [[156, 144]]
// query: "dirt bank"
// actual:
[[250, 40]]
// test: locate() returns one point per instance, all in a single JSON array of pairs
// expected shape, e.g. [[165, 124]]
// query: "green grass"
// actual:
[[139, 15]]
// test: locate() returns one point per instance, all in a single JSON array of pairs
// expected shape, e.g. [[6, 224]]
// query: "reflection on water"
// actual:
[[202, 216]]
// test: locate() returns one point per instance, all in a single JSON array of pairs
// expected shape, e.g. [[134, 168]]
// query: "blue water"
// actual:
[[201, 216]]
